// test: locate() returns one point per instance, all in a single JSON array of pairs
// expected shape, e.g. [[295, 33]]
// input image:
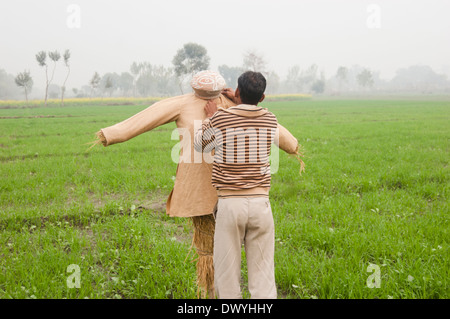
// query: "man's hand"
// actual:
[[210, 108], [229, 93]]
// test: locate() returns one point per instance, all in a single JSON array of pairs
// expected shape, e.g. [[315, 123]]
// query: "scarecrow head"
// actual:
[[207, 84]]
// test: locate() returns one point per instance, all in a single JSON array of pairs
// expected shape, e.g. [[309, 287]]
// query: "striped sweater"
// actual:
[[241, 137]]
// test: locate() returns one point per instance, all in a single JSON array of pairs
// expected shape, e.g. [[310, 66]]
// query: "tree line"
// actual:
[[25, 81], [144, 79]]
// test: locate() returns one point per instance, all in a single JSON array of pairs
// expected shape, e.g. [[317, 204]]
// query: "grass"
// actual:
[[114, 101], [375, 191]]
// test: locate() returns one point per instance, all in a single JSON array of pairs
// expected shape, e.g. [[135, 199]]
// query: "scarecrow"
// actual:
[[193, 195]]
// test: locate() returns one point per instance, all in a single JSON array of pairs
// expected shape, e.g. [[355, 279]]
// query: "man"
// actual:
[[241, 137], [193, 196]]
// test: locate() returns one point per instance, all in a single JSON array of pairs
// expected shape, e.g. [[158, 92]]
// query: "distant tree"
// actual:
[[342, 76], [156, 80], [309, 76], [365, 78], [419, 78], [54, 56], [165, 80], [292, 82], [66, 58], [94, 82], [191, 58], [41, 58], [253, 61], [318, 86], [273, 82], [230, 74], [109, 85], [135, 70], [8, 87], [298, 80], [24, 81], [126, 82], [146, 82]]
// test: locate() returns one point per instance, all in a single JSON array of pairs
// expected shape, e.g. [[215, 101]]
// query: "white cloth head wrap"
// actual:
[[207, 84]]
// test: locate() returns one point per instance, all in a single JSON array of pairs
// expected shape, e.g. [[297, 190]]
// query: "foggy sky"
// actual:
[[114, 33]]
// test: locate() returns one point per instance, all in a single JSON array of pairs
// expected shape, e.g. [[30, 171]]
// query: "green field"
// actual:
[[375, 192]]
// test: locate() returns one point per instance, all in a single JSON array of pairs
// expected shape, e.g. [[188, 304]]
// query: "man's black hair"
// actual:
[[251, 86]]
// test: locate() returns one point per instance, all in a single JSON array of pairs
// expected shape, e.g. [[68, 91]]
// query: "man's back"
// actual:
[[243, 140]]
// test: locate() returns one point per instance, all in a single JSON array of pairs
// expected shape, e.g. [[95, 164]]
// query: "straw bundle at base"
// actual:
[[203, 241]]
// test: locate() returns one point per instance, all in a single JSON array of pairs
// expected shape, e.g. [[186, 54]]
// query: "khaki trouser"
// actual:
[[248, 221]]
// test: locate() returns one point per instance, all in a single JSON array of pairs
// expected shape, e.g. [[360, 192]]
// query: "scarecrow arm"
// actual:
[[288, 143], [160, 113], [285, 140]]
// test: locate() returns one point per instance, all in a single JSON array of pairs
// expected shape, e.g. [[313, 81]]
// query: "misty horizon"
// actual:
[[110, 35]]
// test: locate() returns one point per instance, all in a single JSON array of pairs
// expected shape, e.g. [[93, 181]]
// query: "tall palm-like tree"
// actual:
[[41, 58], [66, 58]]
